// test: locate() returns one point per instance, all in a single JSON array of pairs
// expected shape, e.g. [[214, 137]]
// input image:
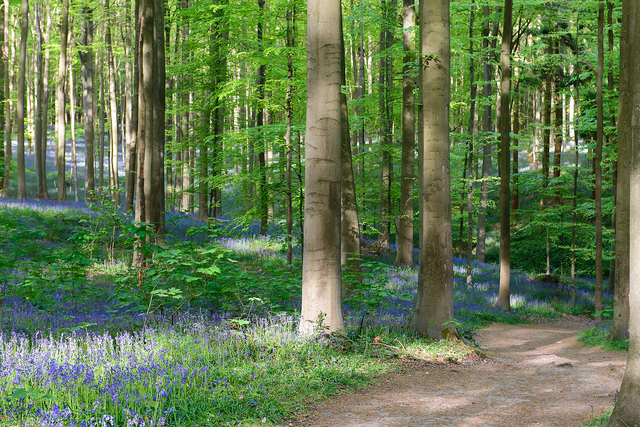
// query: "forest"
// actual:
[[197, 194]]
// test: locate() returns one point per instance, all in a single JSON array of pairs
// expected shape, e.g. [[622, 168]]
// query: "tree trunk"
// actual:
[[626, 102], [386, 121], [404, 257], [505, 139], [598, 161], [61, 103], [7, 111], [321, 271], [3, 98], [113, 114], [350, 228], [514, 163], [433, 311], [290, 42], [470, 132], [260, 82], [486, 130], [74, 158], [627, 405], [86, 58], [130, 117], [20, 119]]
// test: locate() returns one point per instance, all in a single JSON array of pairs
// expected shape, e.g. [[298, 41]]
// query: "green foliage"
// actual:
[[598, 336]]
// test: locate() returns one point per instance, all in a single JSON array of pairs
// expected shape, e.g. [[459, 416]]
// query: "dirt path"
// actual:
[[540, 377]]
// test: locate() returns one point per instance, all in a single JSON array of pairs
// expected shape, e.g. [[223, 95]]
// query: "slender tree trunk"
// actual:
[[598, 161], [20, 119], [404, 256], [505, 139], [350, 229], [86, 58], [113, 114], [74, 158], [61, 103], [291, 20], [487, 131], [612, 123], [7, 111], [472, 113], [45, 106], [321, 271], [129, 115], [3, 98], [514, 163], [37, 116], [546, 142], [260, 82], [433, 311]]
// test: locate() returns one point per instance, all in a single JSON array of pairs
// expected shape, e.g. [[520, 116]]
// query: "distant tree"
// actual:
[[504, 293], [61, 103], [321, 270], [20, 107], [433, 311], [404, 255]]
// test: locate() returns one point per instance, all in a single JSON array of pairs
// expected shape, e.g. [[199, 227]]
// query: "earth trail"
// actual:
[[539, 376]]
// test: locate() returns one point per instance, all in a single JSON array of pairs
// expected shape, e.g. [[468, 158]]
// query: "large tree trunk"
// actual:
[[61, 103], [504, 293], [598, 161], [405, 222], [321, 271], [72, 114], [433, 311], [20, 119], [627, 407], [39, 114], [621, 309]]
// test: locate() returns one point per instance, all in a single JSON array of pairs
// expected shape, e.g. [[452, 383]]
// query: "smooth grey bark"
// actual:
[[504, 292], [627, 405], [350, 228], [20, 108], [598, 161], [39, 117], [404, 255], [321, 270], [433, 312], [621, 309], [61, 103]]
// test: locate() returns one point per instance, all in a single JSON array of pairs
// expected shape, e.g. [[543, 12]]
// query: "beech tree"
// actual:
[[321, 271], [627, 407], [433, 311]]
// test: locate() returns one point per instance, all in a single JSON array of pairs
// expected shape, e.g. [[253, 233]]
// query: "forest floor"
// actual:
[[534, 375]]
